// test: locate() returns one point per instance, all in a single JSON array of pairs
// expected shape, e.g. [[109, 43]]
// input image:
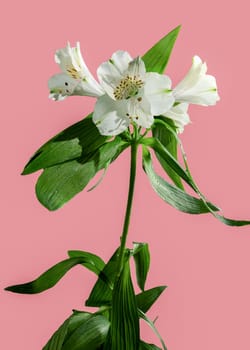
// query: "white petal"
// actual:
[[197, 87], [110, 116], [90, 85], [139, 111], [85, 88], [157, 90], [61, 86], [109, 77], [110, 73], [197, 69], [121, 60], [179, 115], [136, 68], [71, 62]]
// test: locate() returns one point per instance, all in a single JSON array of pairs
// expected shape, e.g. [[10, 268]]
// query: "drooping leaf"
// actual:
[[146, 346], [231, 222], [78, 140], [159, 148], [49, 278], [124, 328], [93, 262], [221, 218], [88, 336], [164, 189], [59, 183], [168, 140], [171, 194], [142, 261], [152, 326], [147, 298], [157, 57], [101, 293]]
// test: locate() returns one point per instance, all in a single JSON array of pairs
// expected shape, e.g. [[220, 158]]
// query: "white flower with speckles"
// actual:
[[131, 94], [75, 78], [197, 87], [127, 94]]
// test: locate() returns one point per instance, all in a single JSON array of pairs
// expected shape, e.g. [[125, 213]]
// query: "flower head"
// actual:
[[131, 94], [127, 94], [197, 87], [76, 79]]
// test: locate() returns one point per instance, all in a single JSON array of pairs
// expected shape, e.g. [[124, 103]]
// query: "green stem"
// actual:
[[134, 147]]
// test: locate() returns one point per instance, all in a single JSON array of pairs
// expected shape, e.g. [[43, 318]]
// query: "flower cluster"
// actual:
[[127, 94]]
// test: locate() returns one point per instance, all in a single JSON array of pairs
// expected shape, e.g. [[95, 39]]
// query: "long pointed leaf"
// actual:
[[230, 222], [157, 57], [101, 293], [93, 262], [78, 140], [124, 328], [57, 339], [48, 279], [88, 336], [152, 326], [141, 257], [158, 147], [147, 298], [168, 140], [67, 328], [60, 183], [221, 218], [173, 195]]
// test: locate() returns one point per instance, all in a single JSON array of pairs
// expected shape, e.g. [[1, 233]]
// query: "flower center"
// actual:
[[128, 87]]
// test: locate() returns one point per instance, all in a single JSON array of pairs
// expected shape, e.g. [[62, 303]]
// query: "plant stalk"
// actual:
[[134, 147]]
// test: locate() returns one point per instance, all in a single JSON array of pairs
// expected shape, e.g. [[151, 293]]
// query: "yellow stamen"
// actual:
[[128, 87]]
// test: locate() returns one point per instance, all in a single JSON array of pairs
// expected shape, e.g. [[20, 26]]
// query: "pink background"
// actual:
[[205, 264]]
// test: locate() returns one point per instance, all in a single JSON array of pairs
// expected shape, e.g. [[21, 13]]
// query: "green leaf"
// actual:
[[146, 299], [142, 261], [146, 346], [171, 194], [93, 262], [58, 338], [159, 148], [152, 326], [124, 328], [101, 294], [221, 218], [76, 141], [169, 141], [88, 336], [230, 222], [76, 320], [157, 57], [49, 278], [60, 183]]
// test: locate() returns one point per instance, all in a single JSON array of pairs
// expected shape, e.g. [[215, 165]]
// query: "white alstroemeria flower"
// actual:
[[197, 87], [76, 79], [178, 113], [132, 94]]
